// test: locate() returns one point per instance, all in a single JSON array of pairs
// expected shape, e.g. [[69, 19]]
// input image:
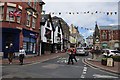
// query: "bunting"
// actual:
[[85, 12]]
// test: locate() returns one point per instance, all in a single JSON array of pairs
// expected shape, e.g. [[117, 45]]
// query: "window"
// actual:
[[58, 29], [48, 33], [19, 17], [34, 5], [104, 36], [29, 2], [48, 24], [28, 20], [8, 18], [33, 22], [2, 12]]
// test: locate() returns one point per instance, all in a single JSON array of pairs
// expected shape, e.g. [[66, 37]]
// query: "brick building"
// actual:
[[109, 36], [22, 30]]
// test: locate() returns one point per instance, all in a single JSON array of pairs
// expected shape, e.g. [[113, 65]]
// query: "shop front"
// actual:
[[10, 36], [29, 41]]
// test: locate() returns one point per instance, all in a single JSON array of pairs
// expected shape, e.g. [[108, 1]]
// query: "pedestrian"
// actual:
[[74, 54], [10, 53], [21, 55], [71, 56]]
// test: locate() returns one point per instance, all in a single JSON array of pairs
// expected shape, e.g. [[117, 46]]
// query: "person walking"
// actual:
[[71, 56], [21, 55], [74, 54], [10, 53]]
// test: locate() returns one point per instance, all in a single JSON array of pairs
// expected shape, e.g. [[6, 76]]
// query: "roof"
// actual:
[[105, 27], [45, 17], [114, 27]]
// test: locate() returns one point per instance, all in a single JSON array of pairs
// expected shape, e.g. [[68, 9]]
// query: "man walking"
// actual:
[[21, 55], [10, 53], [71, 56]]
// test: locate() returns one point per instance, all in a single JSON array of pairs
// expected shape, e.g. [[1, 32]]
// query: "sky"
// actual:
[[84, 20]]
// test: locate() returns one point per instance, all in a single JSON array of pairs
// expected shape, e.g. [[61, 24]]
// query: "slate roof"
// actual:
[[114, 27]]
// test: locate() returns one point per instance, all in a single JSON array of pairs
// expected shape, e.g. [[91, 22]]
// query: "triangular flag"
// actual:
[[59, 13], [115, 12], [107, 13], [88, 12], [69, 12], [111, 13]]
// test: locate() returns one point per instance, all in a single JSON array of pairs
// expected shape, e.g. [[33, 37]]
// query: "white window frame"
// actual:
[[2, 12], [28, 20], [10, 18], [33, 22]]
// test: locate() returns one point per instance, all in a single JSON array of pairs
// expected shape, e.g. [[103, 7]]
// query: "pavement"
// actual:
[[34, 59], [97, 64]]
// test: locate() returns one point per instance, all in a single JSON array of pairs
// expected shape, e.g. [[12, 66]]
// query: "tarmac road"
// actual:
[[56, 68]]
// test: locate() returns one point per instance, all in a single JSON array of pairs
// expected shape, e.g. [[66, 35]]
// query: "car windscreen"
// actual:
[[115, 51], [80, 48]]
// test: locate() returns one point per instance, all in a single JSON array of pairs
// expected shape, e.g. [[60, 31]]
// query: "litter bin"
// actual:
[[110, 62]]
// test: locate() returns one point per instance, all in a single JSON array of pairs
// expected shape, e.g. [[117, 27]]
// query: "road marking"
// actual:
[[82, 76], [84, 72], [99, 69], [103, 76]]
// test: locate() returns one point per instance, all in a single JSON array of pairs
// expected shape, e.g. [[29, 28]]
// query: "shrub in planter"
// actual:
[[116, 58], [104, 61]]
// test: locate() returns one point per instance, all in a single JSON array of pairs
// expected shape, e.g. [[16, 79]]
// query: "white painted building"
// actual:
[[58, 35], [47, 32]]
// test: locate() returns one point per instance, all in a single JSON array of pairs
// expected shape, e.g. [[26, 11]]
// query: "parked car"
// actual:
[[110, 53], [81, 51]]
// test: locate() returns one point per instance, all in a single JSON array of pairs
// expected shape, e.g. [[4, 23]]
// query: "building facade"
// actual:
[[109, 36], [66, 33], [58, 34], [47, 34], [89, 41], [20, 25], [74, 36]]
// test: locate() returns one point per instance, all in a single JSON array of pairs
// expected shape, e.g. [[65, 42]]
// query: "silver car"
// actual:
[[81, 51]]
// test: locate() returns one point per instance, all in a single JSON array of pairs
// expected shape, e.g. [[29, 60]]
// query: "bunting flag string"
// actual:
[[86, 28], [85, 12]]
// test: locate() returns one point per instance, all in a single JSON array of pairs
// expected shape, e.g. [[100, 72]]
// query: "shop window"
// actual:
[[29, 47], [2, 12], [9, 11]]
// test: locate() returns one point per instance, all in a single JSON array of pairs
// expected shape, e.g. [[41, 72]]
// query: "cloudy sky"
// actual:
[[84, 20]]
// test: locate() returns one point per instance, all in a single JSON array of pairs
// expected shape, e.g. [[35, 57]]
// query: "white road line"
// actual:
[[84, 72], [100, 69], [82, 76], [103, 76]]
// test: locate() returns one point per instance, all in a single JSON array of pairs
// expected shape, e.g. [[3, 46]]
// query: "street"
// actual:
[[55, 68]]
